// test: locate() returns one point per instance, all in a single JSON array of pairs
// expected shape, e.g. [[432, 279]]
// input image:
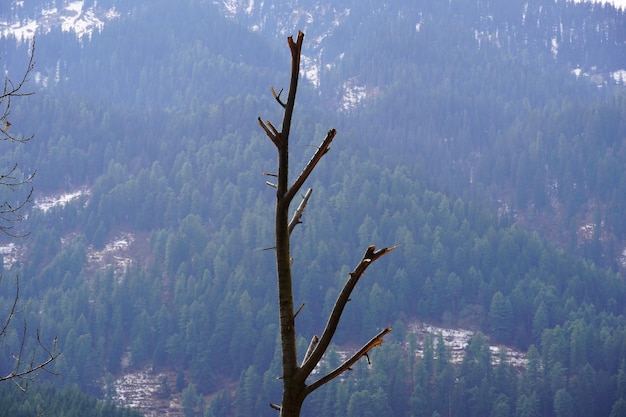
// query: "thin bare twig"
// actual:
[[11, 90], [27, 366], [25, 371], [13, 179], [299, 310], [12, 312]]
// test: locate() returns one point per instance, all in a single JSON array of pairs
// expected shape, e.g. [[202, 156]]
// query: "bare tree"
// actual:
[[12, 179], [27, 364], [294, 375]]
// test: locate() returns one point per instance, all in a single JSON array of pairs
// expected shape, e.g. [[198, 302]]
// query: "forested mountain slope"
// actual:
[[45, 399], [462, 128], [466, 78]]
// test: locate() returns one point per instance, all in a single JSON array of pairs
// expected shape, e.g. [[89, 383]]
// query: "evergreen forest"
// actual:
[[487, 139]]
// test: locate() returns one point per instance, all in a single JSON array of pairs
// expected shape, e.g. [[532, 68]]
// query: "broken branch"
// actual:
[[271, 133], [375, 341], [314, 341], [20, 376], [296, 48], [274, 131], [277, 97], [321, 151], [297, 215], [371, 255]]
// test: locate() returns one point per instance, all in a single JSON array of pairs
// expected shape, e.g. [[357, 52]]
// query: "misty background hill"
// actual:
[[487, 140]]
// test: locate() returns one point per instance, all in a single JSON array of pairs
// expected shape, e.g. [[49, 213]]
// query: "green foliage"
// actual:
[[192, 402], [500, 318], [46, 399], [563, 404]]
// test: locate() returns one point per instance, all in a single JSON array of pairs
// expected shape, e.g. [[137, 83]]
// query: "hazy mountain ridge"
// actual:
[[510, 28], [564, 29]]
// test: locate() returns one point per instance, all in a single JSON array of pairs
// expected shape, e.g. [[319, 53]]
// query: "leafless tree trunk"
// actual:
[[294, 375], [27, 365]]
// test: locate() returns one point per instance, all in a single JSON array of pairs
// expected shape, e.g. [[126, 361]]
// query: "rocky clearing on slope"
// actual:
[[143, 389]]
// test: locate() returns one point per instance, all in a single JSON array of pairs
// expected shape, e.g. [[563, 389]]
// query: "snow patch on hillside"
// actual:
[[60, 200], [353, 94], [121, 251], [456, 340], [231, 7], [318, 22], [617, 3], [142, 390], [310, 69], [619, 76], [10, 254], [115, 254], [73, 17], [594, 76]]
